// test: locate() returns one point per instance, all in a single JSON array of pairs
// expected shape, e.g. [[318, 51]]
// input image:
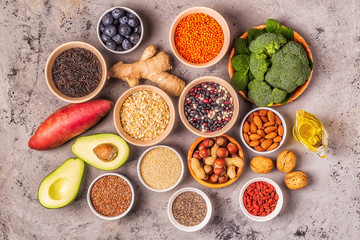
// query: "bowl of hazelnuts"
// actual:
[[215, 162]]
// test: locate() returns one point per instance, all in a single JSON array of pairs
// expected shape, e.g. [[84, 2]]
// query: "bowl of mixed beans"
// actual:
[[199, 37]]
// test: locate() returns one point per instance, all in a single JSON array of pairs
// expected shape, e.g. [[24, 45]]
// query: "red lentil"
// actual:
[[260, 198], [111, 195], [199, 38]]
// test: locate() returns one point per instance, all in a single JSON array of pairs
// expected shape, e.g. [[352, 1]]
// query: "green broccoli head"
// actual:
[[290, 68], [259, 65], [268, 43], [278, 95], [260, 93]]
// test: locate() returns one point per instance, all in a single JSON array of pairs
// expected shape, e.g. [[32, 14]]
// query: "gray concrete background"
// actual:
[[328, 208]]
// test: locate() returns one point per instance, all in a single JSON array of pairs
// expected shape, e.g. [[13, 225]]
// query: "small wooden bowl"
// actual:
[[121, 130], [221, 82], [208, 183], [56, 53], [212, 13], [299, 90]]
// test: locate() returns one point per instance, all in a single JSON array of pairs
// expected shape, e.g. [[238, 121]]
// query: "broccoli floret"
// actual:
[[268, 43], [290, 68], [260, 93], [259, 65], [278, 95]]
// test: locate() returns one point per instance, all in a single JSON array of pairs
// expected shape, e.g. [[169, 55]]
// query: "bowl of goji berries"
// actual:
[[261, 199]]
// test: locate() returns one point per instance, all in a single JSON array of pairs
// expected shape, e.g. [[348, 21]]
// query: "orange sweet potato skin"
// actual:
[[68, 122]]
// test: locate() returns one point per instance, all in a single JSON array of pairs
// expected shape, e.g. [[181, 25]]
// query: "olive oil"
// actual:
[[310, 132]]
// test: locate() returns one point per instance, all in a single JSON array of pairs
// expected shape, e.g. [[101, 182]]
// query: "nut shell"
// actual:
[[261, 164], [286, 161], [296, 180]]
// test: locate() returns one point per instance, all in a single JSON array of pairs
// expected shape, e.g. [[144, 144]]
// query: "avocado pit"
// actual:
[[106, 152]]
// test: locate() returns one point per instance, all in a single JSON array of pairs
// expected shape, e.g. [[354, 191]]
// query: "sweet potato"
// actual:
[[68, 122]]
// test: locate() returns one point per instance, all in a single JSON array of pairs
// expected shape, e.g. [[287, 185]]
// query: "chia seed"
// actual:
[[208, 107]]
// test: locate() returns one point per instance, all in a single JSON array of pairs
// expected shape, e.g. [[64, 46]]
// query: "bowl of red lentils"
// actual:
[[199, 37], [110, 196], [261, 199], [208, 106]]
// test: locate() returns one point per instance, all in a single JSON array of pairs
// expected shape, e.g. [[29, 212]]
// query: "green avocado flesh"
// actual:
[[60, 187], [103, 151]]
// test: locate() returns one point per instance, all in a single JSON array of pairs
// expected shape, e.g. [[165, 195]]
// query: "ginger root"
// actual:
[[150, 67]]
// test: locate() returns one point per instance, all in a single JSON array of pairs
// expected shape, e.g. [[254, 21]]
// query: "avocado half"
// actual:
[[104, 151], [60, 187]]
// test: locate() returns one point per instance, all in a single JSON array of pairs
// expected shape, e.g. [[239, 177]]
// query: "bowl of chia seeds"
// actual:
[[189, 209], [75, 72], [208, 106]]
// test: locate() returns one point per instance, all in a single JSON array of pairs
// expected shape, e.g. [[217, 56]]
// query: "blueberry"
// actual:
[[133, 22], [111, 44], [137, 29], [126, 44], [107, 19], [111, 30], [124, 29], [116, 22], [102, 28], [131, 15], [118, 38], [123, 19], [134, 38], [119, 48], [105, 37], [117, 13]]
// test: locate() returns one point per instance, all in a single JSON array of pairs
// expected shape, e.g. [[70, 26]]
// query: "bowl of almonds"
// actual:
[[263, 130]]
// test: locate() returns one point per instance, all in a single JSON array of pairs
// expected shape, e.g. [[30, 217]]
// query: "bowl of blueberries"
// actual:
[[120, 30]]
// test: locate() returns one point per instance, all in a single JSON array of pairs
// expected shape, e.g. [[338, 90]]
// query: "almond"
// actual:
[[270, 129], [277, 139], [264, 119], [246, 137], [266, 144], [255, 136], [261, 132], [273, 146], [268, 124], [253, 127], [281, 130], [277, 120], [262, 139], [259, 148], [257, 121], [271, 135], [271, 116], [263, 112], [254, 143], [256, 114], [250, 118], [246, 127]]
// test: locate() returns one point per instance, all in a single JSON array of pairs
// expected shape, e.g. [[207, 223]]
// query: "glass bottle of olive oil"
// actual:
[[310, 132]]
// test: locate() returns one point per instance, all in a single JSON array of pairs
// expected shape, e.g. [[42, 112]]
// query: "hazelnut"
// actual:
[[219, 163], [204, 152], [196, 154], [286, 161], [219, 171], [208, 169], [261, 164], [223, 179], [232, 148], [296, 180], [207, 142], [206, 177], [222, 152], [214, 178], [221, 141]]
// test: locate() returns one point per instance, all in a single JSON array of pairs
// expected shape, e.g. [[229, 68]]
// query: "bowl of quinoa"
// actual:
[[199, 37], [160, 168], [110, 196]]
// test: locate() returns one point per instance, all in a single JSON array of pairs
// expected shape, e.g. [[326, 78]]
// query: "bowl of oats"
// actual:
[[144, 115]]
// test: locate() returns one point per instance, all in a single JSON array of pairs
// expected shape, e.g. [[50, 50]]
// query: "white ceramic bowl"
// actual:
[[130, 11], [217, 16], [278, 205], [118, 216], [193, 228], [282, 122], [141, 178]]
